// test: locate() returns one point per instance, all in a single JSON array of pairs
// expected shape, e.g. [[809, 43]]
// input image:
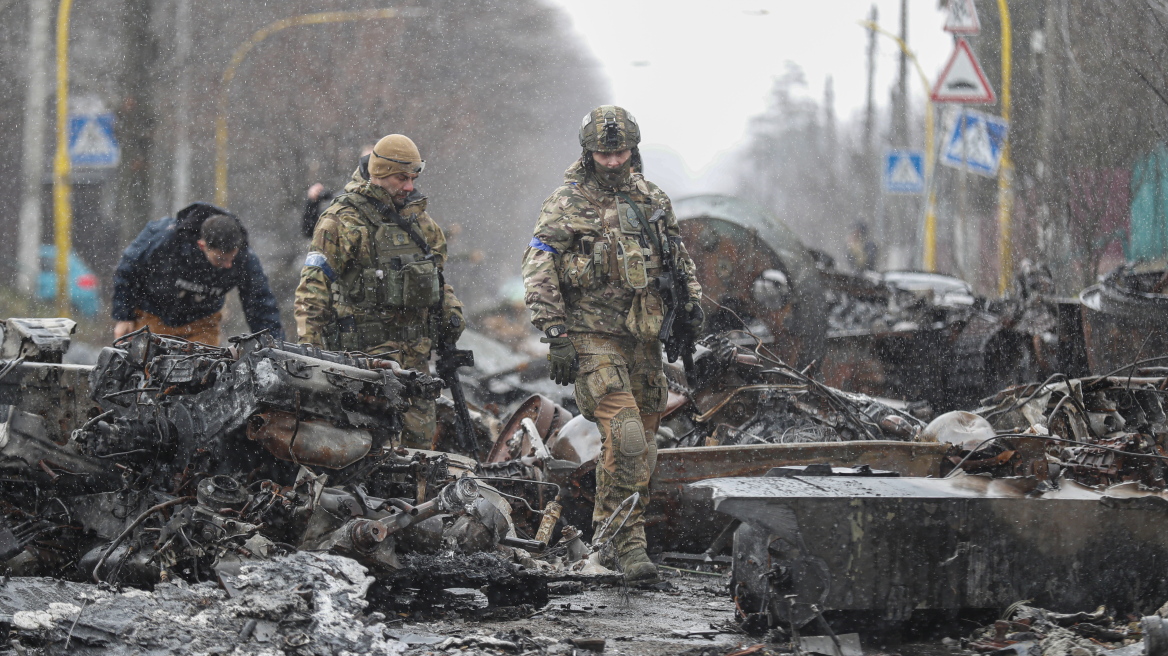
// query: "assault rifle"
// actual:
[[450, 358], [673, 284]]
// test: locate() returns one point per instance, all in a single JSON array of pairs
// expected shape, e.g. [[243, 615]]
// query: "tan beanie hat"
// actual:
[[395, 153]]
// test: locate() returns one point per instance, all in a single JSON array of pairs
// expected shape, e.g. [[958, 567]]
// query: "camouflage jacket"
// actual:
[[341, 242], [581, 268]]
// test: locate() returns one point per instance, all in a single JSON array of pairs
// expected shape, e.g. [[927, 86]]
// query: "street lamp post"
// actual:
[[930, 254], [62, 183], [1006, 168], [237, 59]]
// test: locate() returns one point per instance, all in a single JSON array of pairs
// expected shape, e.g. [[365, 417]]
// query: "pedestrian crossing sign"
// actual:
[[92, 142], [904, 172], [974, 141]]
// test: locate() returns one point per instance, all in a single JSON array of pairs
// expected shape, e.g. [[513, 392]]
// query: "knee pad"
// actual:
[[628, 433]]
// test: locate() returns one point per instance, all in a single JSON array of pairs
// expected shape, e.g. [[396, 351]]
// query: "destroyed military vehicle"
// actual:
[[172, 459]]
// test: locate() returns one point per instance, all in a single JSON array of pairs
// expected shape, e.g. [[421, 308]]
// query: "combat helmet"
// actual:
[[608, 129]]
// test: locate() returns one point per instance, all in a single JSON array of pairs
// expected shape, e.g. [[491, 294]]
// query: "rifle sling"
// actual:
[[393, 215], [652, 234]]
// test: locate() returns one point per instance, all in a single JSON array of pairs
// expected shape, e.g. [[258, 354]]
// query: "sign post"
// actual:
[[962, 81]]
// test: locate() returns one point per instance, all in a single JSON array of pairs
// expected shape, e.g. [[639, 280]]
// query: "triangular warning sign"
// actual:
[[93, 143], [905, 174], [962, 80], [962, 18]]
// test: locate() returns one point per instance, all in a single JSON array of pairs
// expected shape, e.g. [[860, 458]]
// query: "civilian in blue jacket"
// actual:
[[173, 277]]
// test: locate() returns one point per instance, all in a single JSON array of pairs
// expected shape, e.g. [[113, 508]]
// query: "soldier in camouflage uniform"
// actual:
[[370, 282], [589, 274]]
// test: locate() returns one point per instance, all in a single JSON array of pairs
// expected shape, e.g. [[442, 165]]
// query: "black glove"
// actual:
[[454, 323], [562, 359], [695, 318]]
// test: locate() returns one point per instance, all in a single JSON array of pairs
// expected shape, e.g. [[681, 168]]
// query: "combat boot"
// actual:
[[638, 569]]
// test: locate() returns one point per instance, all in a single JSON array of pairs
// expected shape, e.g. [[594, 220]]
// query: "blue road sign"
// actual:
[[92, 141], [974, 141], [904, 172]]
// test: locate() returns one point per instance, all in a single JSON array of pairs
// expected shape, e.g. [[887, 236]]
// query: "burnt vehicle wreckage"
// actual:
[[1052, 492], [171, 463], [171, 459], [902, 334]]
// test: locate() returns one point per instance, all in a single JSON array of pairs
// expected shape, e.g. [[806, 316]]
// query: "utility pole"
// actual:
[[830, 145], [900, 116], [868, 168], [136, 118], [33, 160], [830, 140], [1051, 235], [898, 238], [181, 181]]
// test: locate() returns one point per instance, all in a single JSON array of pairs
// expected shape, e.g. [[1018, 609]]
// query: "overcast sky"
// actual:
[[693, 73]]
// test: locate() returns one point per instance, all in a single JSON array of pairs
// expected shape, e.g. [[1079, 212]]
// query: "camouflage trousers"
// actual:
[[621, 387], [419, 422]]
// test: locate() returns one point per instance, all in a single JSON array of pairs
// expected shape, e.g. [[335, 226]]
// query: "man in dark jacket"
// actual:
[[174, 276]]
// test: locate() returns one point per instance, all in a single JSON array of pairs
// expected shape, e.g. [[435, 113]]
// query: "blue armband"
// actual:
[[536, 243], [318, 260]]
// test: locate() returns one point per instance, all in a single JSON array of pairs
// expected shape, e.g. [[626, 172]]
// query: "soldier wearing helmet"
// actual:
[[589, 274], [371, 281]]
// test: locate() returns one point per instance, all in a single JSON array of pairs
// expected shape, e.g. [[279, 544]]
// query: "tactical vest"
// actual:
[[392, 273], [624, 255]]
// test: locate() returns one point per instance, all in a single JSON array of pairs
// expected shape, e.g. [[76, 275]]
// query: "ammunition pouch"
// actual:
[[631, 262], [587, 268], [401, 272], [408, 282], [401, 282]]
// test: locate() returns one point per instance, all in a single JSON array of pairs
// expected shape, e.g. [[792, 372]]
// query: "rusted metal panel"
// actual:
[[733, 243], [515, 440], [313, 443]]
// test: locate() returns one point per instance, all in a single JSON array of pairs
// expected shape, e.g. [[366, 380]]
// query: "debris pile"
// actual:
[[175, 460], [895, 301], [1026, 629], [901, 334], [302, 603], [1097, 431], [854, 545], [749, 396]]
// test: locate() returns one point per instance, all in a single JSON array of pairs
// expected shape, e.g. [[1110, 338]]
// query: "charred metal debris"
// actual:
[[902, 334], [1052, 492], [170, 463], [1025, 629], [744, 394], [175, 461]]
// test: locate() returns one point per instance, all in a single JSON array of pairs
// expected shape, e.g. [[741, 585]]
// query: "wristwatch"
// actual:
[[558, 330]]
